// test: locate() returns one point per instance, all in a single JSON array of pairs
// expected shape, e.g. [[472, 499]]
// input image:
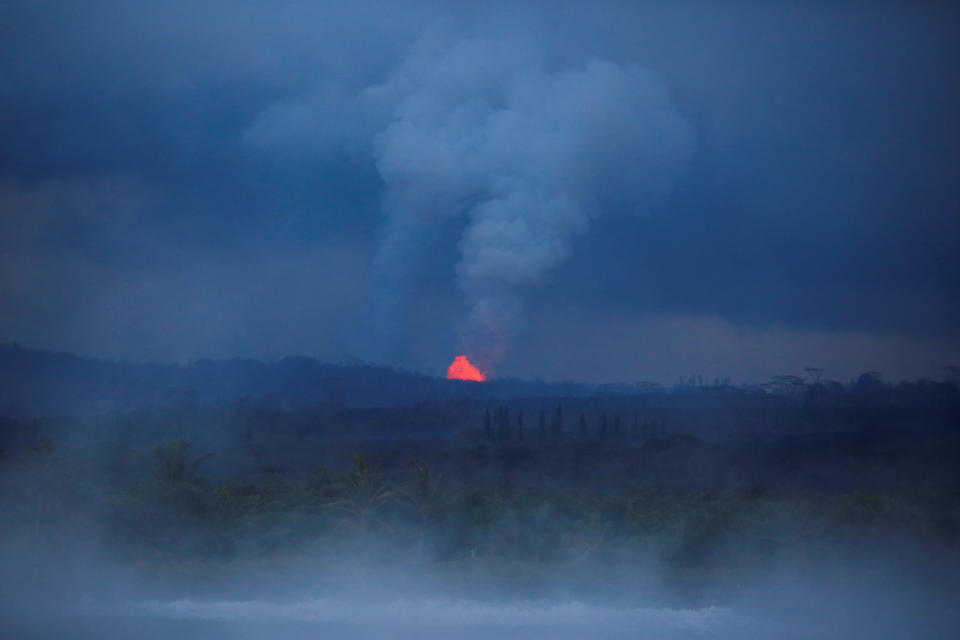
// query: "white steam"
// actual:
[[527, 156], [517, 154]]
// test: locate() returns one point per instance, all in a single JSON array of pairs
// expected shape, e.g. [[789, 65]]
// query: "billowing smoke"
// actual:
[[525, 155], [515, 153]]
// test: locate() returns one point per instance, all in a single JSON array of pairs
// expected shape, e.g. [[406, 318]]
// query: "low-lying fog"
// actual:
[[887, 589]]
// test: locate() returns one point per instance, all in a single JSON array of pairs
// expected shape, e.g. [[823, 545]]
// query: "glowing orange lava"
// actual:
[[461, 369]]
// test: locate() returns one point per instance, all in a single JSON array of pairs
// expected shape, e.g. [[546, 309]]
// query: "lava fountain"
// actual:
[[461, 369]]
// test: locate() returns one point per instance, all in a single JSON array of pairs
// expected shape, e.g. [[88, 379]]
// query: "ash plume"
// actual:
[[524, 155]]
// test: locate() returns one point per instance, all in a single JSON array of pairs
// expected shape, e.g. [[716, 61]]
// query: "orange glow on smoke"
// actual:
[[461, 369]]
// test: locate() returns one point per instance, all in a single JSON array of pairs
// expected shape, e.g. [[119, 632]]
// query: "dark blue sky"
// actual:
[[602, 192]]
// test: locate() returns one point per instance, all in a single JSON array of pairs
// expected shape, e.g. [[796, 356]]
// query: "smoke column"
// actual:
[[525, 156]]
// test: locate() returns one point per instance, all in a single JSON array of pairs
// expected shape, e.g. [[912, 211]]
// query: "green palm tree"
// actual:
[[173, 465], [362, 492]]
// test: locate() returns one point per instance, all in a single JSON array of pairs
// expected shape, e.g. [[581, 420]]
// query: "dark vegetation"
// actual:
[[694, 482]]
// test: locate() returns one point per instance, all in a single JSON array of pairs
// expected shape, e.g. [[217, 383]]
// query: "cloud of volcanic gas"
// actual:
[[524, 154]]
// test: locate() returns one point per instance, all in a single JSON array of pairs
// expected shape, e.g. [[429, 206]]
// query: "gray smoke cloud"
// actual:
[[484, 133]]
